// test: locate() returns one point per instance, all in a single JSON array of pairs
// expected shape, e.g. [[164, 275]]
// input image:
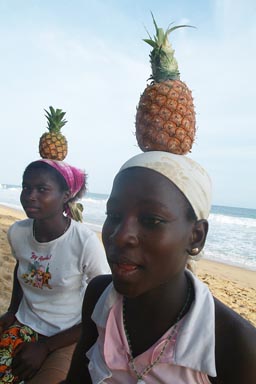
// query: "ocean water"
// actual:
[[232, 231]]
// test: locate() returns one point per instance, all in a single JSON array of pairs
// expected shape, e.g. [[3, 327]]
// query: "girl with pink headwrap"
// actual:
[[56, 256]]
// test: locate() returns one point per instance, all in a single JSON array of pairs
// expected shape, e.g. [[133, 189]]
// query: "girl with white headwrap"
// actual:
[[191, 179], [153, 321]]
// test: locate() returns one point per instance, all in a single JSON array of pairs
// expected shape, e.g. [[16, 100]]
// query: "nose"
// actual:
[[125, 233]]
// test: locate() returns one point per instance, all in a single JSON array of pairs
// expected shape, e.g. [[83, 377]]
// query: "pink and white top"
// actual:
[[188, 358]]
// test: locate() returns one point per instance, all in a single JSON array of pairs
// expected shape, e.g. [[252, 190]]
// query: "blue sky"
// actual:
[[88, 58]]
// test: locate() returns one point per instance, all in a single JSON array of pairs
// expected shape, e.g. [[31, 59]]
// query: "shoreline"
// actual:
[[12, 210], [19, 215], [243, 276], [233, 285]]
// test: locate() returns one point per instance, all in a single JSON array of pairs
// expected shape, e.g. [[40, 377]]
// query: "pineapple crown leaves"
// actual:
[[55, 119], [163, 63]]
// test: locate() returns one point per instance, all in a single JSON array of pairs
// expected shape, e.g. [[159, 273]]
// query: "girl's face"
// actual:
[[41, 196], [146, 233]]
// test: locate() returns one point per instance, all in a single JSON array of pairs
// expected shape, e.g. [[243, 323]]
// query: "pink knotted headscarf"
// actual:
[[75, 178]]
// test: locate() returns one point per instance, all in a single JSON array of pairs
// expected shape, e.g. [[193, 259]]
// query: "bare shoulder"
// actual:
[[235, 346], [78, 372], [92, 294], [233, 327], [94, 290]]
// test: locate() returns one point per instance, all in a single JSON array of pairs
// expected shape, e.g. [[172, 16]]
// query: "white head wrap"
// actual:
[[192, 180]]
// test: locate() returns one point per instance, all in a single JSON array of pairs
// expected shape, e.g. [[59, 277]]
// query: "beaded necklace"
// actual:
[[148, 368]]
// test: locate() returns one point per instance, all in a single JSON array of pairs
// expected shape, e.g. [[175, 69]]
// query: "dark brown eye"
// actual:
[[41, 189], [151, 221], [113, 216]]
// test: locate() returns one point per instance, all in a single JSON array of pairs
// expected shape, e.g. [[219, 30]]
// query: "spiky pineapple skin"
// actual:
[[53, 146], [165, 118]]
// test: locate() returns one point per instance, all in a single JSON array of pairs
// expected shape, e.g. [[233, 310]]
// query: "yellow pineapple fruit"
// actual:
[[53, 145], [165, 118]]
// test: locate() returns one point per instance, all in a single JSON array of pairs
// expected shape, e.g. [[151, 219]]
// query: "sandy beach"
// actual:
[[234, 286]]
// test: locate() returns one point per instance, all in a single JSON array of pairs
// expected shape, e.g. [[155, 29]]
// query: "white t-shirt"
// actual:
[[54, 275]]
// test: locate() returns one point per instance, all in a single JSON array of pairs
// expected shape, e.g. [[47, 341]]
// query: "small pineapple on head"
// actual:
[[53, 145], [165, 118]]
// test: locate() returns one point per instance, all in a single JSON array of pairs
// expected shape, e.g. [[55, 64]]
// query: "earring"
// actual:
[[194, 251]]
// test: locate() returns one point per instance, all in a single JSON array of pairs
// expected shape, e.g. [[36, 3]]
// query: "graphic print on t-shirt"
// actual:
[[38, 274]]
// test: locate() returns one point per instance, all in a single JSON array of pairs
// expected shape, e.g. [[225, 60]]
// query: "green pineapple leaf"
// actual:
[[55, 119], [163, 63]]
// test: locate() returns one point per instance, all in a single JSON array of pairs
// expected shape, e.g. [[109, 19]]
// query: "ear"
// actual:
[[198, 237], [66, 196]]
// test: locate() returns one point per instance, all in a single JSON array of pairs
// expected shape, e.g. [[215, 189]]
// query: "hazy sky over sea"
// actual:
[[88, 58]]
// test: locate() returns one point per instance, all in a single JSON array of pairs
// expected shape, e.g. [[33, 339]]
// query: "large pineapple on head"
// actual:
[[165, 118], [53, 145]]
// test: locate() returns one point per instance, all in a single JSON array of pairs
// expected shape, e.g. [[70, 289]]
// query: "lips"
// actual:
[[126, 267], [31, 209], [123, 269]]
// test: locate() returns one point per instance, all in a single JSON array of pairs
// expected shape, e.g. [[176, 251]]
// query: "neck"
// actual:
[[169, 295], [48, 230], [151, 315]]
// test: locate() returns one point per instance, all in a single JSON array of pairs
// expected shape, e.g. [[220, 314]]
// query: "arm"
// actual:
[[62, 339], [25, 365], [8, 318], [235, 347], [78, 372], [16, 292]]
